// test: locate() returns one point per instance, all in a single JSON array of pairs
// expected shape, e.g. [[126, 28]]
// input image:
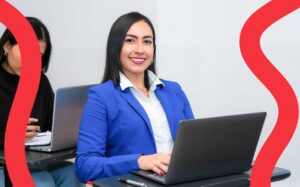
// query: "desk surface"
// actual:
[[241, 180], [36, 158]]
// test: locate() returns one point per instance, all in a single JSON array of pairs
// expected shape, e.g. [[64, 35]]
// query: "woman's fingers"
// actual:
[[155, 169], [33, 128], [158, 163], [30, 134], [162, 167], [165, 159], [31, 131], [32, 120]]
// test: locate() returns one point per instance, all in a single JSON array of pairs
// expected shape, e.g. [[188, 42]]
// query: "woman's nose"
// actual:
[[140, 47]]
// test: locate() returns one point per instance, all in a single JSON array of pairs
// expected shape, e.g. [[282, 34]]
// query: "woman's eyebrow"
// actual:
[[145, 37], [130, 35], [134, 36]]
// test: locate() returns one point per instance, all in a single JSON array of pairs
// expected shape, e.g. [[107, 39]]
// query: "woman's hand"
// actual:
[[32, 130], [158, 163]]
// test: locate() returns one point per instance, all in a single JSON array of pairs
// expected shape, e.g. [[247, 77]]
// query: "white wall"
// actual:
[[198, 46]]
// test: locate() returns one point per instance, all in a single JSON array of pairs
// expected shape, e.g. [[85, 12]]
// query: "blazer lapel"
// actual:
[[133, 102], [163, 98]]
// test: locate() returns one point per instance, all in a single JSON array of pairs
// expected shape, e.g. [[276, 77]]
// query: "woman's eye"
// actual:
[[148, 42], [129, 40]]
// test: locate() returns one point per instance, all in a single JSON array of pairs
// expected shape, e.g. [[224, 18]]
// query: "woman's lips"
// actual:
[[137, 60]]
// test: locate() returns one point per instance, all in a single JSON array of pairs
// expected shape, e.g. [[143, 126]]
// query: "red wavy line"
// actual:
[[284, 95], [25, 95]]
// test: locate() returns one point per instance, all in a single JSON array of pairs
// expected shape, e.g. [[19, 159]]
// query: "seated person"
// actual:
[[62, 174], [131, 118]]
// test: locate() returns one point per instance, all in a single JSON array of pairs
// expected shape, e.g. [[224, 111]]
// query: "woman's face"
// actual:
[[137, 50], [13, 65]]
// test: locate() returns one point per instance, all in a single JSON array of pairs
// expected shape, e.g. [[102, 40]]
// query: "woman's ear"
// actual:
[[7, 46]]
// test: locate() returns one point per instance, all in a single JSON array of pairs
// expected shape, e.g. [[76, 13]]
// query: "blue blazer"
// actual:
[[115, 129]]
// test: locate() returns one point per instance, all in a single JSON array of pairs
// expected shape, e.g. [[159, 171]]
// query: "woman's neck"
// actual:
[[7, 68], [136, 79]]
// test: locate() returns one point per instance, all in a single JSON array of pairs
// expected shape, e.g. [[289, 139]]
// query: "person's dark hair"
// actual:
[[115, 42], [41, 34]]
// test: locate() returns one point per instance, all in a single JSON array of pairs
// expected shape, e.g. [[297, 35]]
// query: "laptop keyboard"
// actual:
[[162, 177]]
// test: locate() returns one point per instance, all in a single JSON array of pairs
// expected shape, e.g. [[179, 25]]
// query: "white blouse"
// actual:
[[153, 108]]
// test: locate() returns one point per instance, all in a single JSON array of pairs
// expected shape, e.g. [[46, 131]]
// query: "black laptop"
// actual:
[[212, 147]]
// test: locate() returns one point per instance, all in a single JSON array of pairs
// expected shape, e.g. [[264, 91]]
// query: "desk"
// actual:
[[237, 180], [37, 159]]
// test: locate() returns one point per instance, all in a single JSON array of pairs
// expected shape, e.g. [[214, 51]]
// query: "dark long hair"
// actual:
[[41, 33], [114, 46]]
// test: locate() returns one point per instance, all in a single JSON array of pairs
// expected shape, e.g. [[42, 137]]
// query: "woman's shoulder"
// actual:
[[44, 79], [45, 83], [170, 84], [104, 93], [173, 87], [104, 88]]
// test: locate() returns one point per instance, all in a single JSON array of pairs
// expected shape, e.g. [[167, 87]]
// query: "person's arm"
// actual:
[[188, 113], [49, 107], [92, 161]]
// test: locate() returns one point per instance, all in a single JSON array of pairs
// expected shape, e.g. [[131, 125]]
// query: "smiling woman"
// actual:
[[137, 51], [130, 119]]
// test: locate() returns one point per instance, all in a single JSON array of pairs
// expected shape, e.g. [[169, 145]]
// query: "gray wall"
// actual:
[[198, 46]]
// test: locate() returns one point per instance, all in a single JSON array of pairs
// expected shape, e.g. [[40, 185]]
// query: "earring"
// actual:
[[5, 53]]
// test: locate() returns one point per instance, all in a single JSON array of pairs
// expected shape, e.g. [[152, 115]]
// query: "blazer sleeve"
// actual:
[[91, 161], [187, 107]]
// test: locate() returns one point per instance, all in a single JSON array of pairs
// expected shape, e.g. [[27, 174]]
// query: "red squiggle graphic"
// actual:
[[25, 95], [284, 95]]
